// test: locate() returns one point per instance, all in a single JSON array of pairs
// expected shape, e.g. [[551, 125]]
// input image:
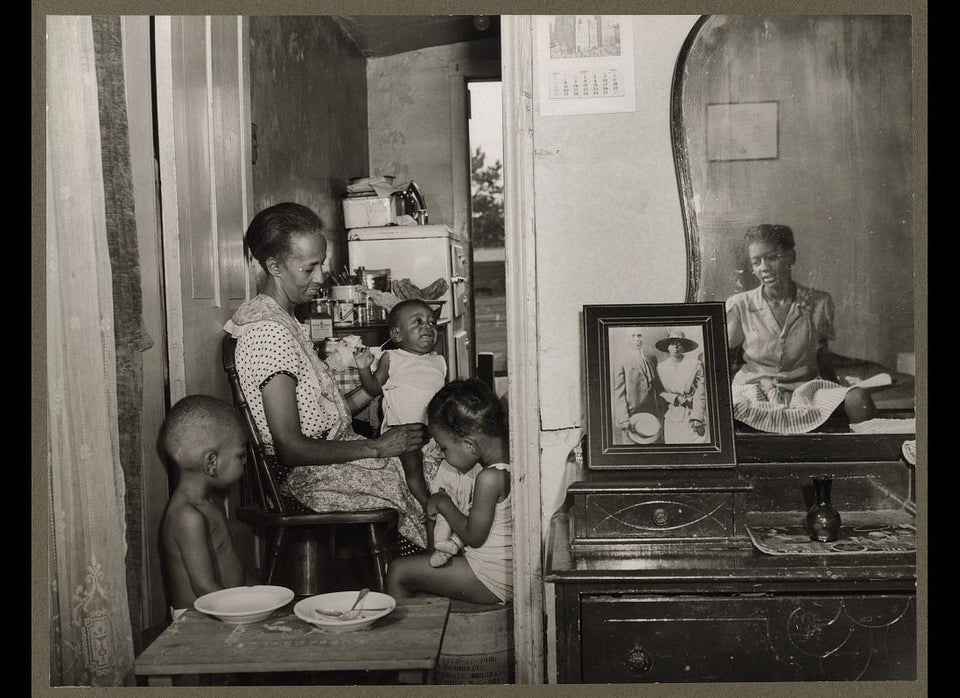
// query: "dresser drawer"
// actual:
[[628, 639], [653, 516]]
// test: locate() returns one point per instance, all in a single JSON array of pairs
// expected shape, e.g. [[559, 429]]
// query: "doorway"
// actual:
[[485, 135]]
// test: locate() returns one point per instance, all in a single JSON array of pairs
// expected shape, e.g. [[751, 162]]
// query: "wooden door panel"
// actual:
[[229, 121], [202, 85]]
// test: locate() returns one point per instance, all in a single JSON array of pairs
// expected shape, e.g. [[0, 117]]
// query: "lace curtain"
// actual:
[[90, 633]]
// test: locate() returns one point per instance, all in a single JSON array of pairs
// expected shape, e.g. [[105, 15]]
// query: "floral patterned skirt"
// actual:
[[367, 483]]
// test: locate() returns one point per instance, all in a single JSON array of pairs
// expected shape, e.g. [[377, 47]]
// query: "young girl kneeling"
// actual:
[[468, 422]]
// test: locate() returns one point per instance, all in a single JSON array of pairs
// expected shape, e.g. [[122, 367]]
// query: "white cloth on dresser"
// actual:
[[413, 379], [492, 562]]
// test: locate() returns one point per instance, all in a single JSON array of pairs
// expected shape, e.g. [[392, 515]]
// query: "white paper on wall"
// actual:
[[585, 64]]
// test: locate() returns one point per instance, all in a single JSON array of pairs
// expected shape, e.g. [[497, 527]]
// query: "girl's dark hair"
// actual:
[[466, 407], [271, 231], [779, 235]]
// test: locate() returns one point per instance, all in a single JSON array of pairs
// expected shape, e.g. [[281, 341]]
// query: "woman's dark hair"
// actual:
[[466, 407], [779, 235], [271, 231]]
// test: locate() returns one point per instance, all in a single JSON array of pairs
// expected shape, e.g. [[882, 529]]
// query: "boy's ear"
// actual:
[[210, 465]]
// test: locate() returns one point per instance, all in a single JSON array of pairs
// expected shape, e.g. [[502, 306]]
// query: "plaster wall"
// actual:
[[415, 122], [309, 103], [608, 217]]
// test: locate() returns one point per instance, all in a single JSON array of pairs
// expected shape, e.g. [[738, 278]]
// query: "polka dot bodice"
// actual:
[[268, 350]]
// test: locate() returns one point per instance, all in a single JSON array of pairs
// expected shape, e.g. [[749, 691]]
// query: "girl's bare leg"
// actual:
[[455, 580]]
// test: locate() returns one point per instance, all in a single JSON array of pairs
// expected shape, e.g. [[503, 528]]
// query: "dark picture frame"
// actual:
[[670, 407]]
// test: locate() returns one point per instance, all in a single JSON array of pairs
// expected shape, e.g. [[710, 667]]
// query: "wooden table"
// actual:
[[407, 639]]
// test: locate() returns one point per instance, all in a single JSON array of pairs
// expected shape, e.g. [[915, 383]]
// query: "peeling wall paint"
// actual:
[[309, 101]]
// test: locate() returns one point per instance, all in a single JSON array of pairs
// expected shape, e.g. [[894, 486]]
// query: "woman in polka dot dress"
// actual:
[[302, 415]]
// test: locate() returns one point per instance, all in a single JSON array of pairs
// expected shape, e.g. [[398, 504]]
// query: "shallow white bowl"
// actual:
[[241, 605], [305, 610]]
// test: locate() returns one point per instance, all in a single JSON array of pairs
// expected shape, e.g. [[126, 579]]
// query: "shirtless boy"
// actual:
[[206, 443]]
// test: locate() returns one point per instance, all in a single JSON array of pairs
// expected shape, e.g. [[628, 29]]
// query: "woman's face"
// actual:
[[675, 349], [300, 274], [770, 263]]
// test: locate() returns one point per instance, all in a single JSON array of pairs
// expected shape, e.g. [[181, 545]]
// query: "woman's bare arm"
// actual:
[[293, 448]]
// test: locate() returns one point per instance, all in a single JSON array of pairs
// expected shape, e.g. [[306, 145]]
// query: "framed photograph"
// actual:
[[657, 386]]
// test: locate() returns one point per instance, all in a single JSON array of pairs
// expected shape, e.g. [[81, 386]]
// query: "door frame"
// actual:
[[461, 72], [522, 347]]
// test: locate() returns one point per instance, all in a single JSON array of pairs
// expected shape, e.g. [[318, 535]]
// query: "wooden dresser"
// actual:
[[657, 579]]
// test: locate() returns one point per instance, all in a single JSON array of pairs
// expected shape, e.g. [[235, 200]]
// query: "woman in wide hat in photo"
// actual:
[[684, 394]]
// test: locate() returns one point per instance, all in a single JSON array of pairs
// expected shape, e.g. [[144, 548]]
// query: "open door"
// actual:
[[203, 124]]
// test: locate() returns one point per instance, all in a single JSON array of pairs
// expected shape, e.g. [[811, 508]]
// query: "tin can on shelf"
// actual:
[[345, 299]]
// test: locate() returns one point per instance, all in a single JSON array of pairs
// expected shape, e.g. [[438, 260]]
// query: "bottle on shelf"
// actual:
[[320, 321]]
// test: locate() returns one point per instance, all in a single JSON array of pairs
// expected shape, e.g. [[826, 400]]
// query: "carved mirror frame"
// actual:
[[757, 447]]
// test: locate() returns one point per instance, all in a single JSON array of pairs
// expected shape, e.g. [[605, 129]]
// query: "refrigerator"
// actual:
[[424, 253]]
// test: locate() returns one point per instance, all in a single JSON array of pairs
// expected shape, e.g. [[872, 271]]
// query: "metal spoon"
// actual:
[[350, 614], [334, 613]]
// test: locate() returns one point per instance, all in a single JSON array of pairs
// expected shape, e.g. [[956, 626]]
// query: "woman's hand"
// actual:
[[768, 384], [401, 439], [698, 427]]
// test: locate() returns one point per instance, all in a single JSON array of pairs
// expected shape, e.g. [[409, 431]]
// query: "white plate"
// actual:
[[342, 601], [241, 605]]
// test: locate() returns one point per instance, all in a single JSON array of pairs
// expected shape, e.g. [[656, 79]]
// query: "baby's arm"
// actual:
[[371, 381], [474, 528]]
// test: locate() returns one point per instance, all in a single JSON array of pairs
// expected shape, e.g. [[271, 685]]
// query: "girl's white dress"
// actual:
[[492, 562]]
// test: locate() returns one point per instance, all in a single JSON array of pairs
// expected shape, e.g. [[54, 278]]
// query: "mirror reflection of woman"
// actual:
[[786, 384]]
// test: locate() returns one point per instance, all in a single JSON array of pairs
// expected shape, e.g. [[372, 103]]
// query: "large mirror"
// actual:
[[807, 121]]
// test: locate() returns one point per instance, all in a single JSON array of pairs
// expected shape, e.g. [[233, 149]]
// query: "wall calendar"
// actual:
[[585, 64]]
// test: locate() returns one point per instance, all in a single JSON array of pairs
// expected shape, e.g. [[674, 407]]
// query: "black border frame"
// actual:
[[603, 454]]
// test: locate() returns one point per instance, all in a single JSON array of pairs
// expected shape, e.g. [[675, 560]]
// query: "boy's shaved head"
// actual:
[[196, 424]]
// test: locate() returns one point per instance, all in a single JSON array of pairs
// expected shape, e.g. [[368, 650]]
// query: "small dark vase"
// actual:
[[823, 521]]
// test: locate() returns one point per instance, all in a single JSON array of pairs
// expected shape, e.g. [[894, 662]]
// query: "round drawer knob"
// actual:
[[639, 661], [660, 517]]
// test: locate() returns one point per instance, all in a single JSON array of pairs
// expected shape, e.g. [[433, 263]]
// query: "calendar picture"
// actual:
[[585, 64]]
